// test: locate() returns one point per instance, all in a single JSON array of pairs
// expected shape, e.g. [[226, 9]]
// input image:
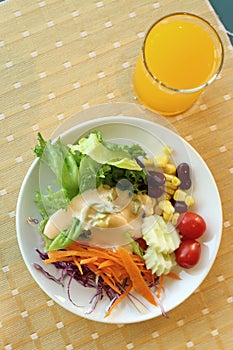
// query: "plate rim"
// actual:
[[117, 119]]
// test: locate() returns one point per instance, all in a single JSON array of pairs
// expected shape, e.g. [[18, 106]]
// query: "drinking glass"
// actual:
[[181, 55]]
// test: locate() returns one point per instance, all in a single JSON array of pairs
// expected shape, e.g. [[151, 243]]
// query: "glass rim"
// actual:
[[189, 90]]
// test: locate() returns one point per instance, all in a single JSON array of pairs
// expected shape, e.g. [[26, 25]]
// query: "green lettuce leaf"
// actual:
[[52, 201], [88, 174], [122, 156], [62, 163], [134, 150], [66, 237], [93, 175]]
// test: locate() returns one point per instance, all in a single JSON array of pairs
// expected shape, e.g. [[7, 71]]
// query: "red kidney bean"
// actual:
[[156, 178], [155, 192], [183, 173], [183, 170], [185, 185], [180, 207]]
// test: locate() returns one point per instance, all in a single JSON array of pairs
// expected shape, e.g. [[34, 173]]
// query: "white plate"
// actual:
[[152, 137]]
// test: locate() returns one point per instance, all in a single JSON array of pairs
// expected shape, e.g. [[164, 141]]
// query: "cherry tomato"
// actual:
[[188, 253], [191, 225]]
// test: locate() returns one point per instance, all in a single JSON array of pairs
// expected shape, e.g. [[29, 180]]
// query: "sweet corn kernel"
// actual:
[[168, 196], [179, 195], [168, 150], [149, 163], [169, 190], [170, 185], [176, 181], [161, 160], [170, 169], [168, 177], [165, 196], [173, 179], [166, 206], [189, 201], [174, 219], [167, 216], [157, 210], [162, 204]]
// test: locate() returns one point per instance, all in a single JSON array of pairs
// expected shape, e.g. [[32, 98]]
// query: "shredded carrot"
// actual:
[[118, 300], [136, 278], [110, 283], [62, 253], [94, 268], [113, 267], [88, 260], [54, 259], [106, 263], [76, 261], [161, 279], [173, 275]]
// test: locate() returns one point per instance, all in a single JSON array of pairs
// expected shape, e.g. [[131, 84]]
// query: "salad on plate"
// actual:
[[115, 219]]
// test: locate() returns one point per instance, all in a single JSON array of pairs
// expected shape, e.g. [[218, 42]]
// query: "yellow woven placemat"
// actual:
[[56, 59]]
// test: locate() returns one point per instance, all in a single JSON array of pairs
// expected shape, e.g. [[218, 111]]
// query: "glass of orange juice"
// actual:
[[181, 55]]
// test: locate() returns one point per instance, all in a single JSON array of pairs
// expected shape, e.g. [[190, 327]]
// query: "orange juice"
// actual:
[[181, 55]]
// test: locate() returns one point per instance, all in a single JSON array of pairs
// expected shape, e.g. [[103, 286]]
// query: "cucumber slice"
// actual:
[[159, 263], [162, 239], [162, 236]]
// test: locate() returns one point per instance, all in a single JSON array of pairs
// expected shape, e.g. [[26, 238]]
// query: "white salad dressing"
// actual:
[[114, 217]]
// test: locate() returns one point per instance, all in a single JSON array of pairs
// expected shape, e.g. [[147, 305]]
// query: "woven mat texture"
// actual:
[[58, 58]]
